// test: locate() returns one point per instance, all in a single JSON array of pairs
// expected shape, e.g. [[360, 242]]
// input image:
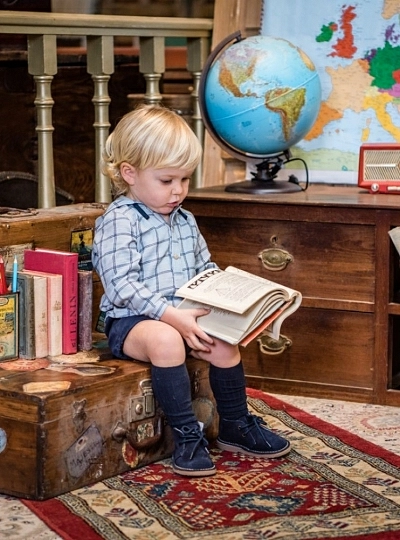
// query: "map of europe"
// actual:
[[356, 50]]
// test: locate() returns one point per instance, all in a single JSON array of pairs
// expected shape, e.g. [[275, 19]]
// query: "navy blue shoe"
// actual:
[[249, 435], [191, 456]]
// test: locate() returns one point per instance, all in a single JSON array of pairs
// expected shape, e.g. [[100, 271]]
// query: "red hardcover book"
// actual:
[[66, 264]]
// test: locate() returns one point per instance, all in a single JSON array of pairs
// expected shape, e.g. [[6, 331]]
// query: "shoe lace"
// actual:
[[192, 435], [254, 422]]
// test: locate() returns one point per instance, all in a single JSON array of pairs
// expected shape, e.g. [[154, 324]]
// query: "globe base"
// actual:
[[260, 187]]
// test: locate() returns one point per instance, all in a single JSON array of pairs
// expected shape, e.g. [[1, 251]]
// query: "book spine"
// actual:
[[41, 317], [26, 310], [70, 313], [54, 309], [85, 309]]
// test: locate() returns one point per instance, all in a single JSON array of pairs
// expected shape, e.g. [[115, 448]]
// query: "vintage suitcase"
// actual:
[[66, 428], [102, 425]]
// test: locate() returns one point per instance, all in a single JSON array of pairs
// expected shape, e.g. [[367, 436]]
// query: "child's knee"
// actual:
[[222, 354], [168, 341]]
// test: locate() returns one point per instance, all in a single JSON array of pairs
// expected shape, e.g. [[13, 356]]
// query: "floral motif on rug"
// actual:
[[331, 485]]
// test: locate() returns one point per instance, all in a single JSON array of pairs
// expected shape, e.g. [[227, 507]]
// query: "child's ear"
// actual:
[[128, 173]]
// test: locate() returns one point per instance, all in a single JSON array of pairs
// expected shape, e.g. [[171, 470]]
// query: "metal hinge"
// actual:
[[7, 212]]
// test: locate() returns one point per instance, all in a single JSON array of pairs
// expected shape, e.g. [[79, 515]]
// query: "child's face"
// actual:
[[162, 190]]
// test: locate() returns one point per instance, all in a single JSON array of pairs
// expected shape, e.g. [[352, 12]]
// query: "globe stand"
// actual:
[[263, 181]]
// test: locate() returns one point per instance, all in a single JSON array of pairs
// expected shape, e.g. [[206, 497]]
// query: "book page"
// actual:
[[272, 284], [274, 329], [235, 324], [219, 323], [270, 325], [233, 291]]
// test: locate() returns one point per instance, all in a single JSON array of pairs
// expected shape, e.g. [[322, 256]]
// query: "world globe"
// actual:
[[259, 96]]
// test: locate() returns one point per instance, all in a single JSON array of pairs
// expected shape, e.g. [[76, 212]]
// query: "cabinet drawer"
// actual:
[[327, 347], [327, 260]]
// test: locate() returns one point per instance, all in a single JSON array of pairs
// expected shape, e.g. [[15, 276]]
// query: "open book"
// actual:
[[242, 304]]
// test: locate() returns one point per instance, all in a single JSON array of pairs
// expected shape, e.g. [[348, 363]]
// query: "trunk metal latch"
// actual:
[[145, 425], [143, 406]]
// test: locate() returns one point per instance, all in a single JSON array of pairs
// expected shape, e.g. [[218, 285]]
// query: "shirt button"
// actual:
[[176, 256]]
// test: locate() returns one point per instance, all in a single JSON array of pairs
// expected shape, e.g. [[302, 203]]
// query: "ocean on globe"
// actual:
[[262, 95]]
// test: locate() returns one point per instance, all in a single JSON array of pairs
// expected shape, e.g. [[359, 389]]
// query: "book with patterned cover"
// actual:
[[8, 326]]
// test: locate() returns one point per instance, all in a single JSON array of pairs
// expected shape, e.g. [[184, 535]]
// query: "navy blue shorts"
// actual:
[[117, 329]]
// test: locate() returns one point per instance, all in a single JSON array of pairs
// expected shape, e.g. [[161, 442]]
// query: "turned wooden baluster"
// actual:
[[100, 65], [42, 64], [152, 65], [197, 52]]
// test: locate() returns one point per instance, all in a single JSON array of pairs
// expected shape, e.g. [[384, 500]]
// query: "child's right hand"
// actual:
[[185, 321]]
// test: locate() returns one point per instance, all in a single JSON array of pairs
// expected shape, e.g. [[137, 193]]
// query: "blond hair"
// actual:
[[150, 136]]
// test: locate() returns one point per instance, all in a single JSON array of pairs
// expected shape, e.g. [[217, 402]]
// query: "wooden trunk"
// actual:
[[103, 425]]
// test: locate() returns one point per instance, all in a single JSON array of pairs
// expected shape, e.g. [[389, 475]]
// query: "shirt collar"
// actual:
[[144, 210]]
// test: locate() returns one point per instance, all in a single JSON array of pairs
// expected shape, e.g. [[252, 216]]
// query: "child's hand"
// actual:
[[185, 321]]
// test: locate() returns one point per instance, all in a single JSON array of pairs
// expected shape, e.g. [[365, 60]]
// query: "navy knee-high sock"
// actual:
[[172, 390], [229, 389]]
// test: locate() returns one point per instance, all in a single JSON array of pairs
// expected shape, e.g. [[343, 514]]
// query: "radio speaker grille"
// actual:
[[382, 165]]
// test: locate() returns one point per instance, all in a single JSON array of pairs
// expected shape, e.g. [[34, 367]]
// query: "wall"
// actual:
[[355, 48]]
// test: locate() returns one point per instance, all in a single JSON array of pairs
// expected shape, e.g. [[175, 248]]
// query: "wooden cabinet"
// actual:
[[332, 244]]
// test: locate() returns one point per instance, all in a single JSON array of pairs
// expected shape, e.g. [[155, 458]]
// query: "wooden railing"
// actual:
[[42, 30]]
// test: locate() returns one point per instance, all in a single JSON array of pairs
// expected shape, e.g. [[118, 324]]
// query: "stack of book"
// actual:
[[55, 304]]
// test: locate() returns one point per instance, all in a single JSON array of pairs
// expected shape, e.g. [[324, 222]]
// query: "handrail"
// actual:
[[26, 22], [42, 30]]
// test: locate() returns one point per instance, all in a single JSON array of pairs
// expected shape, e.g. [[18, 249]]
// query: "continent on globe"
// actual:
[[289, 104]]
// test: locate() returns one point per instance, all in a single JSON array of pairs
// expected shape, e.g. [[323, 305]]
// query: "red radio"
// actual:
[[379, 167]]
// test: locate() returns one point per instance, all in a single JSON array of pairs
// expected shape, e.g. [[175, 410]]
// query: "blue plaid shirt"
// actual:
[[142, 260]]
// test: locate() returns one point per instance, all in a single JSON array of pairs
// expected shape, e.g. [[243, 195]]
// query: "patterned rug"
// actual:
[[333, 484]]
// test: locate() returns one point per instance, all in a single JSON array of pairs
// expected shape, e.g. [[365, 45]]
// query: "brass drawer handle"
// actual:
[[268, 345], [275, 259]]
